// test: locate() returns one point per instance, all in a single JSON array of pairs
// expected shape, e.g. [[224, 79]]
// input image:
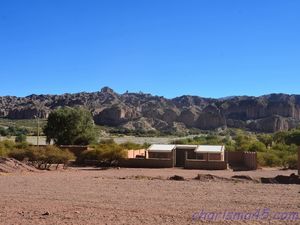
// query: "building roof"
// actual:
[[186, 146], [210, 149], [161, 148]]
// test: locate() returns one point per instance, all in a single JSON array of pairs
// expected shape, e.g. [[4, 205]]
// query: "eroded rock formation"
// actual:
[[141, 111]]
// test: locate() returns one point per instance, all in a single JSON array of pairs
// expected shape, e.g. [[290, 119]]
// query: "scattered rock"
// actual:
[[46, 214], [236, 178], [209, 177], [242, 177], [292, 179]]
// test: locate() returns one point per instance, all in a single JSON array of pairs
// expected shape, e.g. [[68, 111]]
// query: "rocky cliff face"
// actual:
[[141, 111]]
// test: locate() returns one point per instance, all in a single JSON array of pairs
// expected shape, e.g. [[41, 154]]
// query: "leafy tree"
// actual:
[[266, 139], [105, 152], [68, 126], [43, 157], [279, 137], [20, 138], [257, 146], [3, 131], [293, 137], [242, 142]]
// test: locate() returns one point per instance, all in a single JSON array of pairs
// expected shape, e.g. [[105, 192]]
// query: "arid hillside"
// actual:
[[139, 111]]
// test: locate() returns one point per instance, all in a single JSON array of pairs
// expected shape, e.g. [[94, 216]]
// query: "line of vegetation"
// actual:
[[40, 157], [105, 153], [75, 126], [278, 149]]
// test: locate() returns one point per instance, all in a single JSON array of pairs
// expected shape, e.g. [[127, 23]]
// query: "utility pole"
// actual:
[[38, 131]]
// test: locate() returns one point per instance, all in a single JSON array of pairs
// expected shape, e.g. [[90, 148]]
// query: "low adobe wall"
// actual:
[[205, 165], [146, 163], [131, 154], [248, 160], [235, 157], [160, 155]]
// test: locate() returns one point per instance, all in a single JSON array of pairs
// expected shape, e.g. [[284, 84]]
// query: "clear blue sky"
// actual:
[[165, 47]]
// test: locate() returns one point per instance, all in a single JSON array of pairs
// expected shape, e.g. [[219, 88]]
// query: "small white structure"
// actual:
[[161, 151], [183, 154], [159, 148], [213, 152]]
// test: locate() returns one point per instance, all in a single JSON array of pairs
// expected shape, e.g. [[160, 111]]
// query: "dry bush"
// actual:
[[43, 157]]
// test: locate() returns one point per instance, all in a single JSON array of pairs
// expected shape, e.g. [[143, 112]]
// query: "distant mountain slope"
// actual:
[[141, 111]]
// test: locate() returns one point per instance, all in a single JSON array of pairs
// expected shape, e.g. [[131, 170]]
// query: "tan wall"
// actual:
[[235, 157], [250, 160], [244, 159], [131, 154], [215, 156], [146, 163], [205, 165], [160, 155]]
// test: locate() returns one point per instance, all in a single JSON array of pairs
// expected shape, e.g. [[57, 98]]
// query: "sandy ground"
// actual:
[[130, 196]]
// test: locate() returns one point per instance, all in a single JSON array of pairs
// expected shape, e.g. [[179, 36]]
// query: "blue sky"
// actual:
[[210, 48]]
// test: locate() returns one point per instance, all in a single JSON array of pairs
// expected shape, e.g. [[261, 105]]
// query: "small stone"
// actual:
[[46, 214], [77, 212]]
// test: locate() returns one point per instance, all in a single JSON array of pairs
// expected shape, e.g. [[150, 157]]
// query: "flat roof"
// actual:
[[161, 148], [187, 146], [210, 149]]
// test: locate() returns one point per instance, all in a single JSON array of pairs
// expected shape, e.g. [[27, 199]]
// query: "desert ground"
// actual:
[[143, 196]]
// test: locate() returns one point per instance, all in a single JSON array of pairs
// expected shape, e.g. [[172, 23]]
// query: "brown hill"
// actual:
[[139, 111]]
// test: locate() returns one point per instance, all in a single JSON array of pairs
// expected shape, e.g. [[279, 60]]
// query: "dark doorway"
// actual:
[[180, 157]]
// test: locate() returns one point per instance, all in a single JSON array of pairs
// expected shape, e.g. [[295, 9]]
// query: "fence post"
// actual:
[[299, 162]]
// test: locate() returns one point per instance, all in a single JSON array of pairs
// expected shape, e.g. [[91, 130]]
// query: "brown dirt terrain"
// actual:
[[140, 196], [9, 165]]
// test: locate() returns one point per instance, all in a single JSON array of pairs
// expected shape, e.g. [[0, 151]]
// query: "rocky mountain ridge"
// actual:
[[139, 111]]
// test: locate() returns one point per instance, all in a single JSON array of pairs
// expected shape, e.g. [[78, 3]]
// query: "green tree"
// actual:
[[70, 126], [3, 131], [266, 139], [279, 137], [293, 137], [257, 146], [20, 138]]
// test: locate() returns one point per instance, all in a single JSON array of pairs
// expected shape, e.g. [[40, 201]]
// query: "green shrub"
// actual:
[[257, 147], [279, 137], [54, 155], [290, 161], [293, 137], [43, 156], [5, 147], [268, 159], [20, 138], [7, 144], [266, 139], [130, 146], [22, 145], [3, 132], [3, 151], [107, 141], [103, 153]]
